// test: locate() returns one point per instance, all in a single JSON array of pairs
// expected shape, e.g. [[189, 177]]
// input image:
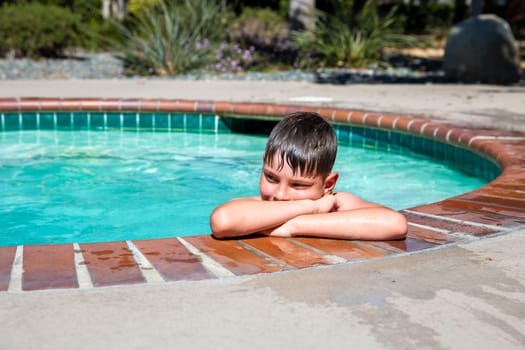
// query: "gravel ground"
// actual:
[[108, 66], [97, 66]]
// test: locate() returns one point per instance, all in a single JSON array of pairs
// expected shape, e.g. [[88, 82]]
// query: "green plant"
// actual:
[[140, 7], [258, 27], [441, 15], [174, 38], [93, 29], [34, 30], [265, 34], [85, 9], [350, 40], [284, 7], [231, 58], [100, 35]]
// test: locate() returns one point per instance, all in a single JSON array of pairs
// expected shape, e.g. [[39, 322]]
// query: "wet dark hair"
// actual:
[[305, 141]]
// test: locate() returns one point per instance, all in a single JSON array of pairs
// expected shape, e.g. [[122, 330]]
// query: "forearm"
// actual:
[[245, 216], [360, 224]]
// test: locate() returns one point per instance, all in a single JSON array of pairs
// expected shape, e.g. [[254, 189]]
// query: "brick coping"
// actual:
[[497, 208]]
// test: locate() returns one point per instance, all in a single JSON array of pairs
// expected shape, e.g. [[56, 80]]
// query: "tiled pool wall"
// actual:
[[127, 121], [497, 208]]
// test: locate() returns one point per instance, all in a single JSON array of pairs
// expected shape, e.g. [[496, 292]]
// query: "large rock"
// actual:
[[482, 49]]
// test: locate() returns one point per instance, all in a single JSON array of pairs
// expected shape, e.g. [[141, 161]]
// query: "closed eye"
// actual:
[[301, 186], [271, 178]]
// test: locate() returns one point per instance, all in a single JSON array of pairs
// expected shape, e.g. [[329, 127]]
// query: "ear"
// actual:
[[329, 182]]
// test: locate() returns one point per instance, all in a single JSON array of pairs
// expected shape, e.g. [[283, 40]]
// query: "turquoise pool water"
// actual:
[[86, 186]]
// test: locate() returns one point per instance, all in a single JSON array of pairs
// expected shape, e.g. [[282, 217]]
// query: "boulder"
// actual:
[[482, 49]]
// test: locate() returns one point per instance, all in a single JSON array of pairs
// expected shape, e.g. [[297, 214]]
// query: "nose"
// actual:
[[282, 193]]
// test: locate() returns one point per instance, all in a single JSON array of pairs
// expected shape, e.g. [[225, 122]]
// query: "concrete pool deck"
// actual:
[[469, 295]]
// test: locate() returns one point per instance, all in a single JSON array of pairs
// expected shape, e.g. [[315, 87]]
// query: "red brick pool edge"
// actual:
[[497, 208]]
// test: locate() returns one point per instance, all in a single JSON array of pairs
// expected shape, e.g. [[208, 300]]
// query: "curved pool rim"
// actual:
[[494, 209]]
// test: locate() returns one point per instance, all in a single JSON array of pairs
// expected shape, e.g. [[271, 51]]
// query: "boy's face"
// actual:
[[283, 185]]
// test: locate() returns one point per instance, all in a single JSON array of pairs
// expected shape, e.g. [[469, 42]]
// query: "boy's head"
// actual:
[[306, 142], [298, 159]]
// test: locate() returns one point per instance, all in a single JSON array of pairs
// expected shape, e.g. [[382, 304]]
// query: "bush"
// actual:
[[350, 41], [33, 30], [265, 34], [258, 27], [139, 8], [231, 58], [174, 38]]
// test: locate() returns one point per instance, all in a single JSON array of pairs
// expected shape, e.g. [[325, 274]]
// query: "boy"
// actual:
[[297, 195]]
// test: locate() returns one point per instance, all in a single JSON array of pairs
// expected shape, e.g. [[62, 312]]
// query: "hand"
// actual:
[[326, 204]]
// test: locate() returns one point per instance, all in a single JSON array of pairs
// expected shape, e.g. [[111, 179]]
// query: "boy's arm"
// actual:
[[354, 219], [248, 215], [372, 223]]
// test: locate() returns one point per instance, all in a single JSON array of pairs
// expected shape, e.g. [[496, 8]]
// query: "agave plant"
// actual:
[[176, 37], [351, 40]]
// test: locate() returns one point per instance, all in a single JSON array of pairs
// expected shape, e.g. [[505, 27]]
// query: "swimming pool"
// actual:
[[495, 208], [93, 186]]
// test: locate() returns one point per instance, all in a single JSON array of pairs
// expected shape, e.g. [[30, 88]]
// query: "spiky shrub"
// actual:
[[175, 37], [350, 40]]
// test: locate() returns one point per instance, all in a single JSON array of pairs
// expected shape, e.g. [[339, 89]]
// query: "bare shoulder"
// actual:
[[349, 201]]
